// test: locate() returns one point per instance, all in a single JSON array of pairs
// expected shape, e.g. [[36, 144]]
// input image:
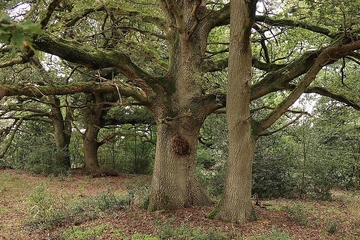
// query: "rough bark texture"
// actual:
[[62, 133], [174, 183], [93, 115], [236, 205], [91, 164], [180, 110]]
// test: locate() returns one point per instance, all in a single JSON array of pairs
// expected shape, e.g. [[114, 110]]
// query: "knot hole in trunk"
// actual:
[[180, 145]]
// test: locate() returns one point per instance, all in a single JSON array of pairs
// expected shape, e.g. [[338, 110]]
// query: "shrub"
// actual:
[[297, 213], [333, 226], [45, 209]]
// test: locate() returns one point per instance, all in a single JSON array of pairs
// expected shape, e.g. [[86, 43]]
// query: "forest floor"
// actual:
[[81, 207]]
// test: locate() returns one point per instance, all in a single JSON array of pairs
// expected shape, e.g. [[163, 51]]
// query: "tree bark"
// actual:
[[174, 184], [235, 205], [93, 117], [91, 146], [180, 109], [62, 133]]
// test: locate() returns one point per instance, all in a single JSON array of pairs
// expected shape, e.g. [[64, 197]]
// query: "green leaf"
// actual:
[[17, 38], [30, 27], [4, 18], [4, 37]]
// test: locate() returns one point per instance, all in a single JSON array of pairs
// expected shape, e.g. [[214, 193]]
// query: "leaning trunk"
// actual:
[[174, 184], [236, 205]]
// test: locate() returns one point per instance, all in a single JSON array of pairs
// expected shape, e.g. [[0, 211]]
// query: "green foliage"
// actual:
[[107, 201], [167, 231], [34, 150], [211, 171], [132, 152], [298, 213], [47, 211], [44, 208], [42, 161], [75, 232], [332, 226], [274, 167], [212, 154], [138, 191], [17, 34]]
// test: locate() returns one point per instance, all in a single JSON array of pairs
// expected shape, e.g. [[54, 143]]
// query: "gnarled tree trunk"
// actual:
[[180, 109], [174, 183], [93, 116]]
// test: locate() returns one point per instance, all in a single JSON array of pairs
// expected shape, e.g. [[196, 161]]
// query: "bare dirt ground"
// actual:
[[277, 219]]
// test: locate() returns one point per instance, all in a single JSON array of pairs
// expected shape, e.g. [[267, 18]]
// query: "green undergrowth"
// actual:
[[167, 231], [46, 210], [274, 234], [76, 233]]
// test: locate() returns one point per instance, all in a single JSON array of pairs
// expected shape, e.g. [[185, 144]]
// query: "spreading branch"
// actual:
[[329, 55], [327, 93], [16, 125], [279, 79], [282, 127], [50, 10], [96, 59], [293, 23], [126, 90]]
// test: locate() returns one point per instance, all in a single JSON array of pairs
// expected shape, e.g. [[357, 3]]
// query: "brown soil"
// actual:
[[343, 213]]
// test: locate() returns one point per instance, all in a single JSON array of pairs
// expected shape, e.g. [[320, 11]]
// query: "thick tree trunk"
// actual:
[[236, 205], [93, 115], [174, 184], [91, 146], [62, 133], [62, 142]]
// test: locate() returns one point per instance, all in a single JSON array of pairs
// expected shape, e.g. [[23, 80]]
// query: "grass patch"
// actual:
[[140, 236], [47, 210], [275, 234], [167, 231], [76, 233], [275, 207]]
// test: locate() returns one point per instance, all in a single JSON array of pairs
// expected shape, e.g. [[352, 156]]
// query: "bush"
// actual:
[[274, 168], [297, 213], [333, 226]]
